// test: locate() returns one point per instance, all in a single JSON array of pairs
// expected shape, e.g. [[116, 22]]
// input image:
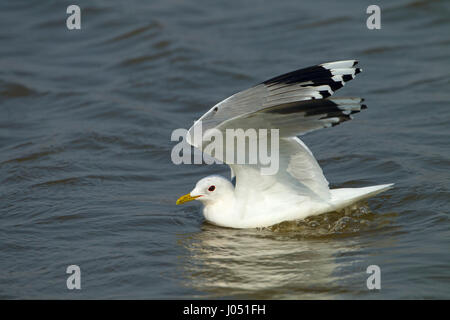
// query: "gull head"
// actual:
[[209, 190]]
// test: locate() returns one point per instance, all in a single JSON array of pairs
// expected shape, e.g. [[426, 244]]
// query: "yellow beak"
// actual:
[[186, 198]]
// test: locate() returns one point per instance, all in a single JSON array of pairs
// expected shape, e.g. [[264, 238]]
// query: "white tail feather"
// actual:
[[341, 198]]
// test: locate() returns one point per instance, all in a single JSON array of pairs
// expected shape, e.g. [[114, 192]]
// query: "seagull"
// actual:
[[295, 103]]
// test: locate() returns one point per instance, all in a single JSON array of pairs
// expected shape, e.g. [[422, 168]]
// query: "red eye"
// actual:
[[212, 188]]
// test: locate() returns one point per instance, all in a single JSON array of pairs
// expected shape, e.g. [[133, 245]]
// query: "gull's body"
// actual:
[[295, 103]]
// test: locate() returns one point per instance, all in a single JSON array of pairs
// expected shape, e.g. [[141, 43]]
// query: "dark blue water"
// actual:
[[86, 176]]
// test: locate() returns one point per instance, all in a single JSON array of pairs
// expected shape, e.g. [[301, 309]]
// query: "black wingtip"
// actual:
[[324, 94], [346, 77]]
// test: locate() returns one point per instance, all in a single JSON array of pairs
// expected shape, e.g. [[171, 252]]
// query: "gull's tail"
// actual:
[[341, 198]]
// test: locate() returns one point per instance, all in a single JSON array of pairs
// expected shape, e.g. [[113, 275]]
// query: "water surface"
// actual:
[[85, 170]]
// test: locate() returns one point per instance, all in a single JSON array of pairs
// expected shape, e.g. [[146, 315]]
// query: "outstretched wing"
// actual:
[[298, 173], [295, 103], [316, 82]]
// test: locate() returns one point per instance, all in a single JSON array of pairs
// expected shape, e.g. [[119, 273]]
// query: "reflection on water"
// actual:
[[292, 260]]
